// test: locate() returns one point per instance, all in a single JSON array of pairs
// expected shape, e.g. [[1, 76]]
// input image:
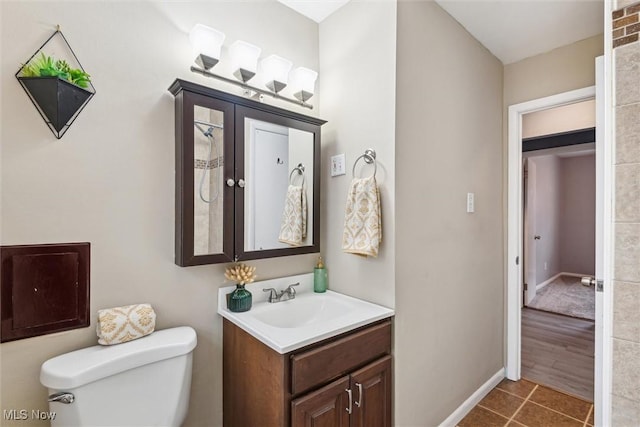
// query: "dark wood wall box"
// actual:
[[45, 289]]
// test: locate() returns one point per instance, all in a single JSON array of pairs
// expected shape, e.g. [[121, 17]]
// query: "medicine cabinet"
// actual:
[[235, 160]]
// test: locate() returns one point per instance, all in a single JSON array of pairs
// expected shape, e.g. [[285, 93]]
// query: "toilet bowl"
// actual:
[[145, 382]]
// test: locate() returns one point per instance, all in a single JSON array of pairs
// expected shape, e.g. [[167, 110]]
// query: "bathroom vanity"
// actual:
[[325, 361]]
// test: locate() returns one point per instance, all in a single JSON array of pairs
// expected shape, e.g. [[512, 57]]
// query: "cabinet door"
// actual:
[[371, 388], [273, 152], [204, 163], [326, 407]]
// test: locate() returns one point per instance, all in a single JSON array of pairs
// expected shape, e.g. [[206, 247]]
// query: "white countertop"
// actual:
[[310, 317]]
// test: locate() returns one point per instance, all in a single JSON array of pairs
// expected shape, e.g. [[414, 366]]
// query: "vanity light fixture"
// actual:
[[207, 43], [276, 72], [244, 60], [303, 82]]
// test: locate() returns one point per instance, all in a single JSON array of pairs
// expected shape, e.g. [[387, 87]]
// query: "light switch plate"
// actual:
[[337, 164], [470, 203]]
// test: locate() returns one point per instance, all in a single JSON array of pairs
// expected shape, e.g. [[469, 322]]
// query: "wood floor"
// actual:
[[558, 351]]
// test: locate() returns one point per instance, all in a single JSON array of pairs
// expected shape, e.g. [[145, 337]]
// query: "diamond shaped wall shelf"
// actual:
[[58, 100]]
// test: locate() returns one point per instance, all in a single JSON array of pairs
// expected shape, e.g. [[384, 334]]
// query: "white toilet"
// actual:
[[145, 382]]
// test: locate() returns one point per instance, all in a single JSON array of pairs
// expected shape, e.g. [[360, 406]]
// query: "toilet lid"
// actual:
[[81, 367]]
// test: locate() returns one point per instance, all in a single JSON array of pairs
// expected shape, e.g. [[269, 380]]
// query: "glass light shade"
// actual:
[[276, 72], [303, 82], [207, 43], [244, 59]]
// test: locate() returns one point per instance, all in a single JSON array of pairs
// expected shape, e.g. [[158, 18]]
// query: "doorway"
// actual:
[[558, 313], [559, 217], [602, 374]]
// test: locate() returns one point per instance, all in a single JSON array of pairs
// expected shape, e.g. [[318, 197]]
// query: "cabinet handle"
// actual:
[[241, 183], [230, 182], [350, 408], [360, 396]]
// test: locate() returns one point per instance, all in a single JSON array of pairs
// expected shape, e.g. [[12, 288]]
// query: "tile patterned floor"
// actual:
[[523, 403]]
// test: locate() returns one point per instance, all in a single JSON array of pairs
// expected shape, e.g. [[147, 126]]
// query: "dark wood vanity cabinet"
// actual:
[[344, 381], [362, 399]]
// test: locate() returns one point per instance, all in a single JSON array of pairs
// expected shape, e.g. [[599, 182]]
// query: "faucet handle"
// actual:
[[273, 294], [290, 289]]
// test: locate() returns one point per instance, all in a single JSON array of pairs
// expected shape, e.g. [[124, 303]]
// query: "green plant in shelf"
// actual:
[[47, 66]]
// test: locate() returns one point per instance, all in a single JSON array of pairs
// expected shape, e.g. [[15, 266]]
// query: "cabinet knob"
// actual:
[[241, 183], [230, 182]]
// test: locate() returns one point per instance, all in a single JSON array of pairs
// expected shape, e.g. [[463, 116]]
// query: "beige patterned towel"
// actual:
[[121, 324], [293, 229], [362, 223]]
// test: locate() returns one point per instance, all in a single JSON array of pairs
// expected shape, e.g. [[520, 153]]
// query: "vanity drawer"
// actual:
[[322, 364]]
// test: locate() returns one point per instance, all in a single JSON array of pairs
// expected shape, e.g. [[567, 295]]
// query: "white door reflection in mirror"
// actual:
[[274, 151]]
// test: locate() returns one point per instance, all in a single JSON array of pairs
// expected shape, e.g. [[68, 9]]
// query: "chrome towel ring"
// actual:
[[300, 169], [369, 157]]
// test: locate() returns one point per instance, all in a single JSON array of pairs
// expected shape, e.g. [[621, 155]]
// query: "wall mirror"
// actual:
[[247, 178]]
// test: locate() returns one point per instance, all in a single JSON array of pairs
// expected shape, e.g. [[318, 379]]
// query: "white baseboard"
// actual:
[[546, 282], [577, 275], [457, 415]]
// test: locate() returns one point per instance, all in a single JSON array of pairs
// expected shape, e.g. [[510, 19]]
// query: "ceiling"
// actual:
[[511, 29], [516, 29], [316, 10]]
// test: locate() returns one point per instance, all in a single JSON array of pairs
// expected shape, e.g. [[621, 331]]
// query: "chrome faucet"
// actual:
[[274, 296]]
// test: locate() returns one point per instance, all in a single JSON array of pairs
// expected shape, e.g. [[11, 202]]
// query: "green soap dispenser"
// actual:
[[320, 277]]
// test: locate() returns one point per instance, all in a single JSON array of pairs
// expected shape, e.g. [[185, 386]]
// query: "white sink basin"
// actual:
[[310, 317], [300, 311]]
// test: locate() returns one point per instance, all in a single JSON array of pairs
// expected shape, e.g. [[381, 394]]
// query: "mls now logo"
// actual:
[[23, 414]]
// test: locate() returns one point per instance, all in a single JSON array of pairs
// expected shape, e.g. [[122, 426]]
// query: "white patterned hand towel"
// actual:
[[121, 324], [362, 223], [293, 229]]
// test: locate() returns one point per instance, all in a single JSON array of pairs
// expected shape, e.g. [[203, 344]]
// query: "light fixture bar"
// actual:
[[249, 87]]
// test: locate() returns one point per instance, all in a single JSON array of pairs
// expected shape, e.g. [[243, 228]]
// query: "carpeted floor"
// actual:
[[567, 296]]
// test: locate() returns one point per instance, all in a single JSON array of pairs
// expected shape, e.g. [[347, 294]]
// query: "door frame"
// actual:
[[529, 258], [602, 375]]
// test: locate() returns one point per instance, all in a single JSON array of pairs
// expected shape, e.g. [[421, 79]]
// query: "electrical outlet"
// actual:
[[545, 266], [337, 164]]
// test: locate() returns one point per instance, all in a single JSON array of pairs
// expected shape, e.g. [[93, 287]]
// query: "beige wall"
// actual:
[[358, 51], [578, 214], [449, 282], [110, 180], [580, 115], [566, 68]]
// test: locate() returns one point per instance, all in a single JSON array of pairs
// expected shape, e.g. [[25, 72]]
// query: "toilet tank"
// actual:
[[145, 382]]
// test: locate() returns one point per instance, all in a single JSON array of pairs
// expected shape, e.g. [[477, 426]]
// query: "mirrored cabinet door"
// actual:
[[280, 173], [205, 184]]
